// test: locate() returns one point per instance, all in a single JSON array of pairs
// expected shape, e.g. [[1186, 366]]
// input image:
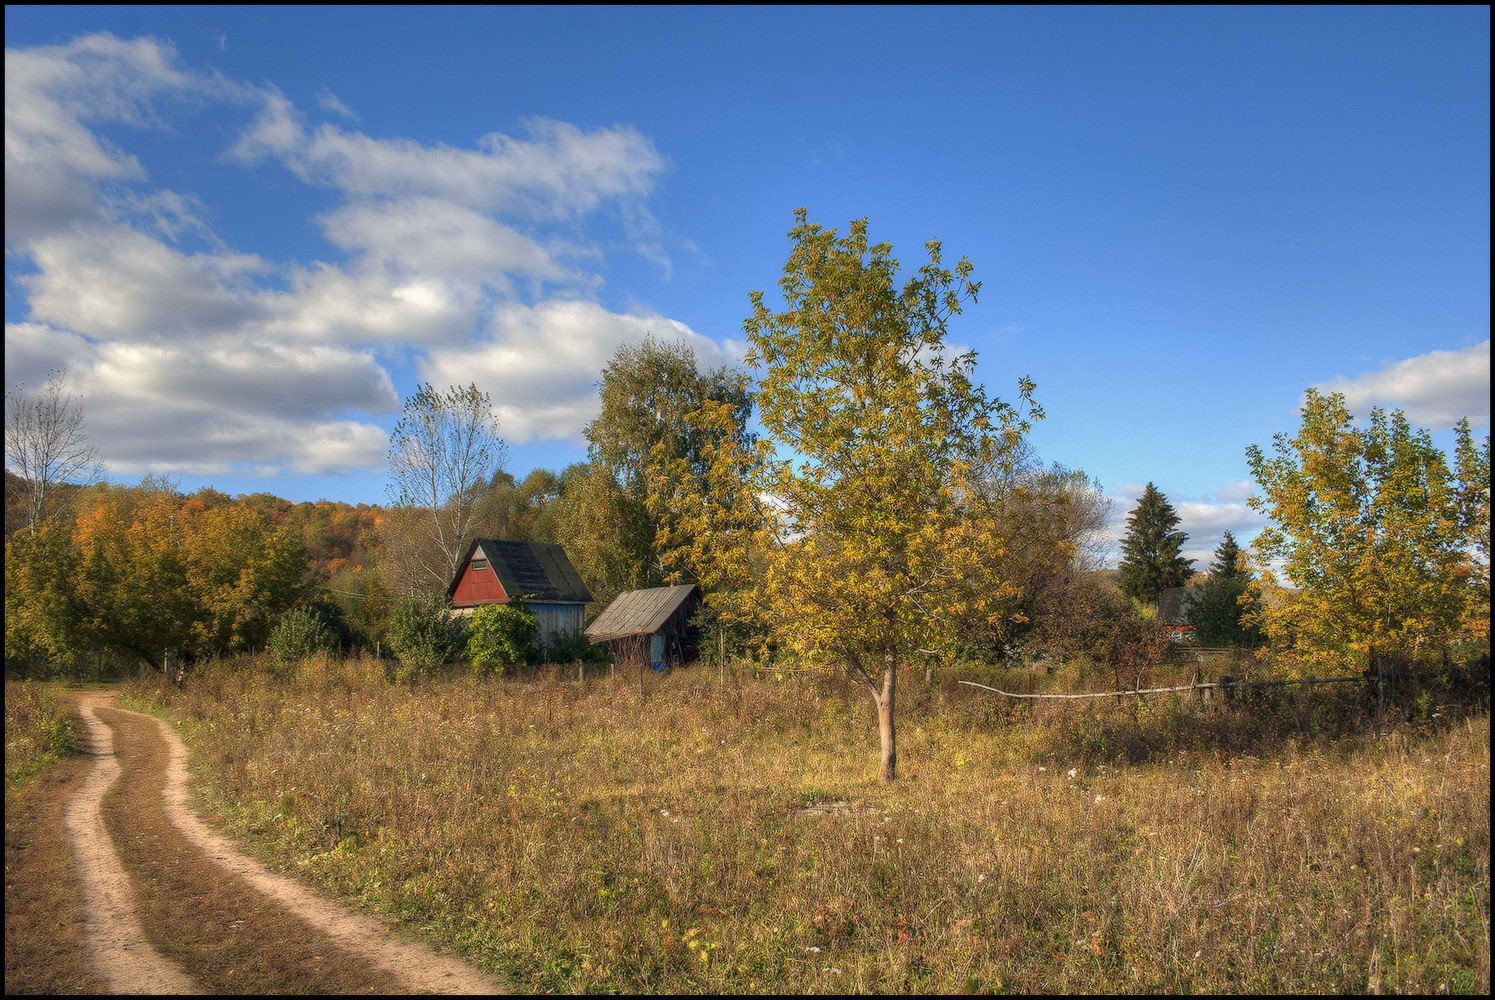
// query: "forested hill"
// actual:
[[338, 536]]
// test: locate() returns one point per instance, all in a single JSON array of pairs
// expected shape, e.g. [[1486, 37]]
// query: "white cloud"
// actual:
[[201, 408], [557, 171], [330, 102], [541, 363], [195, 357], [1435, 389]]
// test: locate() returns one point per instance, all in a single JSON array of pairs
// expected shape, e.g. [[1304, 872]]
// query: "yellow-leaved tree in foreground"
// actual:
[[854, 533]]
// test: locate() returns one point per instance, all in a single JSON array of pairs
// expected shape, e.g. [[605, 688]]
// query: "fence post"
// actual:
[[1380, 664]]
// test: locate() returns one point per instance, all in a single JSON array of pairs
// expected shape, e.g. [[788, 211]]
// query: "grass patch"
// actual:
[[38, 732], [582, 839]]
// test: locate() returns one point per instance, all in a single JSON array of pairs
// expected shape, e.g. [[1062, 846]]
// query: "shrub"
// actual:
[[500, 635], [570, 647], [422, 632], [37, 731], [299, 634]]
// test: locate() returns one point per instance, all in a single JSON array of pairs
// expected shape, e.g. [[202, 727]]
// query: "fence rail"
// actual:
[[1201, 685]]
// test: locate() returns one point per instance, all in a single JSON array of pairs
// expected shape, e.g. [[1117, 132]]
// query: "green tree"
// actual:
[[648, 393], [860, 502], [1217, 606], [1384, 546], [297, 635], [422, 632], [499, 636], [607, 532], [1150, 562]]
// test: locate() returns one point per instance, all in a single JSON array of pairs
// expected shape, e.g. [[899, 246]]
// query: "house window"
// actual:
[[479, 564]]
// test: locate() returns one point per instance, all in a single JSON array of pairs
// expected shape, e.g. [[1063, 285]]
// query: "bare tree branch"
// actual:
[[47, 446]]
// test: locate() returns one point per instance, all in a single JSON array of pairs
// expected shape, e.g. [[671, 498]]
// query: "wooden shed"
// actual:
[[1173, 614], [499, 571], [649, 626]]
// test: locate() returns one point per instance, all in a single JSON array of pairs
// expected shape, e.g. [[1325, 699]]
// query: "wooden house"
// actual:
[[649, 626], [497, 571]]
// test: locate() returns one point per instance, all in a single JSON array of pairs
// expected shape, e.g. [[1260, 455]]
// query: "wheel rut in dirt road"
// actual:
[[407, 966], [119, 951]]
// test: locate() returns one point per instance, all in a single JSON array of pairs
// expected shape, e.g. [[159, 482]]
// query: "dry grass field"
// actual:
[[705, 839]]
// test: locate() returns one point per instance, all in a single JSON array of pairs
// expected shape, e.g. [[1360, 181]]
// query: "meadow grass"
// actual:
[[702, 838], [37, 731]]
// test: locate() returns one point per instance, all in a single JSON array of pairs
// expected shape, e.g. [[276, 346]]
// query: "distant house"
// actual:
[[497, 571], [1173, 614], [649, 626]]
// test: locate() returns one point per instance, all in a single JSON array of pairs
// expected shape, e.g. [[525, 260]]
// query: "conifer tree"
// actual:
[[1150, 561], [1215, 608]]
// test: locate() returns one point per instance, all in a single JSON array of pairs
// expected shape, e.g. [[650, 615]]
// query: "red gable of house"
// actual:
[[478, 584]]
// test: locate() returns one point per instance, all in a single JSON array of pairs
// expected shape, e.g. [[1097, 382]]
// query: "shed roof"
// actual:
[[639, 612], [530, 571], [1173, 606]]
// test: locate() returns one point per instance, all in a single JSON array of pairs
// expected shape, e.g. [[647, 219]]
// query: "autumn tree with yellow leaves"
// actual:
[[1375, 542], [853, 530]]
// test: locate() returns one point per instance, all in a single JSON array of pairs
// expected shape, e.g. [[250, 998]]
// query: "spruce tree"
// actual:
[[1215, 607], [1150, 561]]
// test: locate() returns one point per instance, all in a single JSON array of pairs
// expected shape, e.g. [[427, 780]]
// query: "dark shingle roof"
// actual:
[[530, 571], [638, 612], [1173, 606]]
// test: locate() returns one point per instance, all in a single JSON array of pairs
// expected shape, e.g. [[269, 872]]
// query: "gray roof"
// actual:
[[1173, 606], [639, 612], [529, 571]]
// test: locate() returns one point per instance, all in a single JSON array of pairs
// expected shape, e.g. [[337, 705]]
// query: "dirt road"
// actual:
[[170, 906]]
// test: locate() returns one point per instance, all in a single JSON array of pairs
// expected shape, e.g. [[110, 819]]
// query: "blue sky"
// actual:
[[249, 232]]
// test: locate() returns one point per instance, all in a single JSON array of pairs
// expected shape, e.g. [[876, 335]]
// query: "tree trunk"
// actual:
[[886, 700]]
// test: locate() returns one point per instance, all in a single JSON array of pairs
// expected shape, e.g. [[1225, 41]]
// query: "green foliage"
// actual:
[[609, 535], [1150, 561], [43, 613], [37, 731], [422, 633], [1216, 607], [571, 647], [499, 636], [648, 392], [1385, 547], [299, 634], [363, 605]]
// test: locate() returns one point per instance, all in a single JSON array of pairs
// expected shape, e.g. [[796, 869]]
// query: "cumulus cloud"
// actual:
[[541, 363], [195, 357], [557, 170], [1435, 389]]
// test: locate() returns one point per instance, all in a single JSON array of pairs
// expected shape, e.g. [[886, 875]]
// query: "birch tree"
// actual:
[[442, 452], [47, 445]]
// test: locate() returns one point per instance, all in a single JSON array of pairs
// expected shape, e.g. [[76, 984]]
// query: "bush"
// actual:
[[571, 647], [299, 634], [500, 635], [422, 632], [37, 731]]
